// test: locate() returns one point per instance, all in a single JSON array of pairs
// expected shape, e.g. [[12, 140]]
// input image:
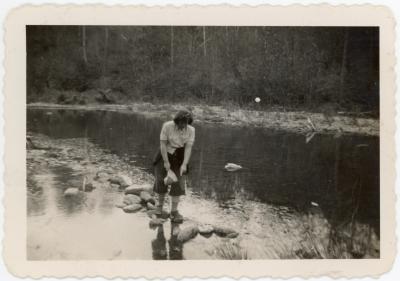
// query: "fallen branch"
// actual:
[[311, 124]]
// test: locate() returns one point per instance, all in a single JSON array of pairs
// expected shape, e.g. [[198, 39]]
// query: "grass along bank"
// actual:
[[292, 121]]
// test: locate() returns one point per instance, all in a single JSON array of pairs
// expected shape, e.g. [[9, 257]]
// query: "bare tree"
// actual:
[[344, 61], [84, 44], [105, 54], [172, 46], [204, 42]]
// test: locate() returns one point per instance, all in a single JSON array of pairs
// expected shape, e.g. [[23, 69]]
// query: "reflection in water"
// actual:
[[159, 244], [340, 174], [66, 178]]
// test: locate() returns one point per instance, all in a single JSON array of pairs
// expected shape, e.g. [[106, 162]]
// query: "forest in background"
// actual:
[[314, 68]]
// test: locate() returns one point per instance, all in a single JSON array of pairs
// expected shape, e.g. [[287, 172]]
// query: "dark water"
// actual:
[[339, 173]]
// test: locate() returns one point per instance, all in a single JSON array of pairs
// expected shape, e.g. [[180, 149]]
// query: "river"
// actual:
[[332, 180]]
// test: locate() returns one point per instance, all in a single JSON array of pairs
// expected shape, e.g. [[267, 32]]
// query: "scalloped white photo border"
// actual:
[[15, 225]]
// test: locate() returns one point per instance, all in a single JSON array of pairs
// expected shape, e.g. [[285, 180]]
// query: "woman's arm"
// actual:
[[188, 153], [164, 154]]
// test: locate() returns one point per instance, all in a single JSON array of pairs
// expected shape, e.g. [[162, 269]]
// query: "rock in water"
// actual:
[[146, 197], [132, 208], [131, 199], [89, 187], [206, 229], [114, 180], [187, 233], [156, 222], [125, 181], [152, 214], [120, 205], [102, 176], [114, 185], [150, 206], [72, 191], [225, 232], [136, 189], [231, 167], [122, 180]]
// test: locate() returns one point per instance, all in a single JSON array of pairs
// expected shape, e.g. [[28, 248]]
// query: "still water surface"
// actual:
[[281, 172]]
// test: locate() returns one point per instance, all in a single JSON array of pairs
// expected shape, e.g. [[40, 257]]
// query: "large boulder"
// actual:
[[72, 191], [223, 231], [187, 233], [136, 189], [146, 197], [133, 208], [132, 199]]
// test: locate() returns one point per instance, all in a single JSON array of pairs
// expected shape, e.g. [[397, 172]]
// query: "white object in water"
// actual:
[[231, 167], [72, 191], [257, 99], [314, 204]]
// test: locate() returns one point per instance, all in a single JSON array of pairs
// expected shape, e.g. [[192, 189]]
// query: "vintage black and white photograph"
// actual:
[[202, 142]]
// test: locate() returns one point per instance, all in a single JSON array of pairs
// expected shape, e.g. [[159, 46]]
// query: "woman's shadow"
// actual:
[[159, 244]]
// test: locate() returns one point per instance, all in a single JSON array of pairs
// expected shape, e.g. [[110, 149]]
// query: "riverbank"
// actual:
[[296, 121]]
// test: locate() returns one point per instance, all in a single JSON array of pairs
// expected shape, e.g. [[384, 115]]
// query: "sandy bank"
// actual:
[[299, 121]]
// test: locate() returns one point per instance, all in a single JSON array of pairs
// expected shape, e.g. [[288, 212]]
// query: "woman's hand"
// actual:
[[167, 166], [183, 169]]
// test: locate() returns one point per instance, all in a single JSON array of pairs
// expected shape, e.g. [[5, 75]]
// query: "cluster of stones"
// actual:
[[140, 197], [117, 181], [137, 197], [206, 230]]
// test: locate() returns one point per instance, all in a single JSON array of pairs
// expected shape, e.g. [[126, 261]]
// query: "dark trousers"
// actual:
[[175, 160]]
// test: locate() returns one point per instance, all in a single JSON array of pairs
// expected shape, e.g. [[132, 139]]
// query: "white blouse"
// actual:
[[176, 138]]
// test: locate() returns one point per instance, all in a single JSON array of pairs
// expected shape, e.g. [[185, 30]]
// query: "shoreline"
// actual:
[[296, 121]]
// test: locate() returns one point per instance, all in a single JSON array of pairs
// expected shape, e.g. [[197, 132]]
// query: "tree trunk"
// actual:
[[105, 54], [204, 41], [84, 44], [344, 61], [97, 45], [172, 82], [172, 47]]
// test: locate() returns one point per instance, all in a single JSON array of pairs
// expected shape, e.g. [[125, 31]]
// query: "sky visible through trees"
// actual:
[[290, 67]]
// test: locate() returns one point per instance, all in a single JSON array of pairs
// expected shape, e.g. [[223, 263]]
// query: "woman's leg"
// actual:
[[174, 203], [176, 196], [159, 187], [177, 188]]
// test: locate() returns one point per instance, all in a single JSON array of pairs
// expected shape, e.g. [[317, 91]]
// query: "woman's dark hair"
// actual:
[[183, 116]]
